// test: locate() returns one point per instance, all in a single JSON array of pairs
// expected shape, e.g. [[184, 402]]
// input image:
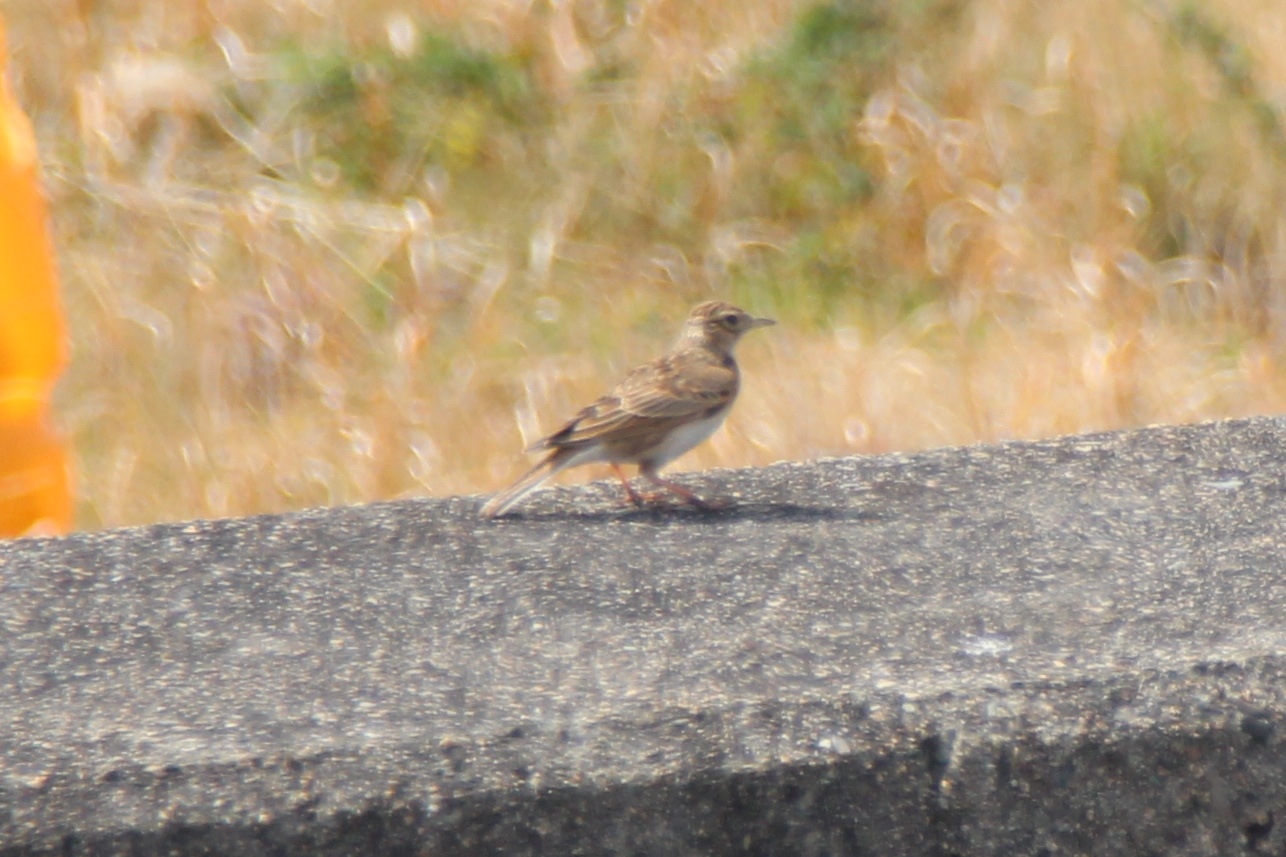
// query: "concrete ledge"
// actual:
[[1074, 646]]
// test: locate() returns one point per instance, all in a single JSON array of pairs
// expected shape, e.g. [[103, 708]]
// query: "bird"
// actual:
[[658, 412]]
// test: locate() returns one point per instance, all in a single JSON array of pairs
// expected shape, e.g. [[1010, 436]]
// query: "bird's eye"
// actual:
[[731, 320]]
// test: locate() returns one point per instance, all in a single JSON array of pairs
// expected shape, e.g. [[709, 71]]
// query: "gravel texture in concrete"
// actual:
[[1065, 647]]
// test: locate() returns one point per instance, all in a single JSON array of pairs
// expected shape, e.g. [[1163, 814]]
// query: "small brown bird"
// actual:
[[660, 411]]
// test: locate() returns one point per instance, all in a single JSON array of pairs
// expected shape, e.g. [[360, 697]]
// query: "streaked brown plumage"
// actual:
[[660, 411]]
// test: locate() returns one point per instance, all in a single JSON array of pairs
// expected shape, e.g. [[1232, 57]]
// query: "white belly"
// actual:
[[685, 438]]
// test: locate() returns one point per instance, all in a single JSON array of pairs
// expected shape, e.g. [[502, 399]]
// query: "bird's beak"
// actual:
[[762, 322]]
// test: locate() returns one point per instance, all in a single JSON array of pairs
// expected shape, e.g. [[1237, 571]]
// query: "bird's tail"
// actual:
[[530, 481]]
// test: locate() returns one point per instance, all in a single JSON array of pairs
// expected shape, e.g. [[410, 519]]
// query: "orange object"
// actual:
[[35, 495]]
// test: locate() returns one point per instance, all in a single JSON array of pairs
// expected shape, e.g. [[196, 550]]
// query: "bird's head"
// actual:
[[720, 324]]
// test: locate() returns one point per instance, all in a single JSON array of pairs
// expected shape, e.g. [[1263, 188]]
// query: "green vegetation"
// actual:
[[383, 117]]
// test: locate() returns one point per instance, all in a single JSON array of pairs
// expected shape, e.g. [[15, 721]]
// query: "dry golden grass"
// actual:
[[295, 277]]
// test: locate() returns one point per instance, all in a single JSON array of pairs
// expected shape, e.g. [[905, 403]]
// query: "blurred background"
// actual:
[[316, 252]]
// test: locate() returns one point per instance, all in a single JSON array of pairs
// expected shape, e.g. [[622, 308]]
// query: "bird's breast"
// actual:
[[685, 437]]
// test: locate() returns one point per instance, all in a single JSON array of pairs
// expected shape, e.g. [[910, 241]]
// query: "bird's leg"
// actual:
[[634, 496], [649, 473]]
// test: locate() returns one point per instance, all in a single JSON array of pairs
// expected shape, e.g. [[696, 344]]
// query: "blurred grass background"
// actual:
[[328, 251]]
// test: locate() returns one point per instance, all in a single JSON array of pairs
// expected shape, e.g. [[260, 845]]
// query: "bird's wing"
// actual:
[[672, 389], [678, 385]]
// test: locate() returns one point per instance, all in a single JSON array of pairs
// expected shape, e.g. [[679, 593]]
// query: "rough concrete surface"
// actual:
[[1068, 647]]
